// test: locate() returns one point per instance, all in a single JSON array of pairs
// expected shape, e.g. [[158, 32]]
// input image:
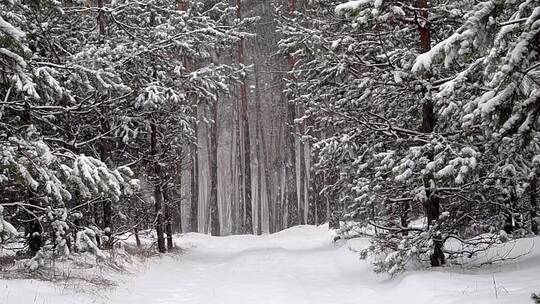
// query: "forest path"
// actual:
[[301, 265]]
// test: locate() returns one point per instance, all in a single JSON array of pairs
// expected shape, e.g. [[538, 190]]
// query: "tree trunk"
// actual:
[[178, 221], [332, 203], [281, 212], [137, 238], [307, 164], [299, 150], [168, 224], [237, 174], [534, 206], [425, 35], [158, 198], [268, 184], [158, 195], [106, 204], [194, 223], [292, 6], [290, 167], [431, 205], [292, 199], [107, 223], [105, 149], [259, 191], [245, 136], [212, 157], [260, 161], [404, 218], [101, 21]]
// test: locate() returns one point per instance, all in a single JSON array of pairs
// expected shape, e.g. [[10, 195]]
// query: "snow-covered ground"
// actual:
[[299, 265]]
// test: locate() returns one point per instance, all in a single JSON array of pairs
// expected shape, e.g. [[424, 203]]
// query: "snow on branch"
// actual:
[[10, 30], [463, 38], [352, 6]]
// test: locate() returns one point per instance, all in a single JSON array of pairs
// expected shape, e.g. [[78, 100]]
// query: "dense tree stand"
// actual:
[[412, 124]]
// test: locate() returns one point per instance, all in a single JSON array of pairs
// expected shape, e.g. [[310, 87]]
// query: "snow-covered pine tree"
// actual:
[[172, 75], [87, 88], [353, 75], [43, 177], [488, 105], [362, 78]]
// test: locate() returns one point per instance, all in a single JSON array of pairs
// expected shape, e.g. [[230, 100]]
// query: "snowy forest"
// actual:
[[400, 134]]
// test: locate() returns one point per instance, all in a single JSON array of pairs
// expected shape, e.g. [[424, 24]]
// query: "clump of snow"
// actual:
[[6, 229], [351, 6], [10, 30]]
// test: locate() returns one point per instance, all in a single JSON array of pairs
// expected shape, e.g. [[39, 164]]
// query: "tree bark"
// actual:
[[137, 238], [105, 145], [101, 21], [245, 136], [168, 224], [307, 164], [431, 205], [268, 184], [331, 202], [299, 151], [534, 206], [105, 151], [158, 195], [194, 212], [237, 173], [178, 221], [290, 167], [260, 161], [212, 155]]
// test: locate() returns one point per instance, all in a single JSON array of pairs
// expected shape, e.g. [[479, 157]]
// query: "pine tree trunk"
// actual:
[[431, 205], [235, 218], [260, 161], [534, 206], [292, 199], [158, 195], [281, 212], [268, 184], [300, 179], [101, 21], [168, 222], [137, 238], [428, 118], [245, 136], [179, 180], [106, 204], [212, 156], [237, 171], [194, 223], [105, 148], [158, 198], [291, 178], [259, 192], [332, 203], [292, 6], [307, 163]]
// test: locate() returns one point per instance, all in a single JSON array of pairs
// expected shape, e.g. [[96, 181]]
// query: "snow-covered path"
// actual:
[[300, 265], [289, 267]]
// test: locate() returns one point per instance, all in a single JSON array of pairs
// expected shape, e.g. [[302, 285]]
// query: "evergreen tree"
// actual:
[[87, 89], [424, 153]]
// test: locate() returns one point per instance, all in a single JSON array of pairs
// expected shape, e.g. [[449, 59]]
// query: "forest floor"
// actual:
[[299, 265]]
